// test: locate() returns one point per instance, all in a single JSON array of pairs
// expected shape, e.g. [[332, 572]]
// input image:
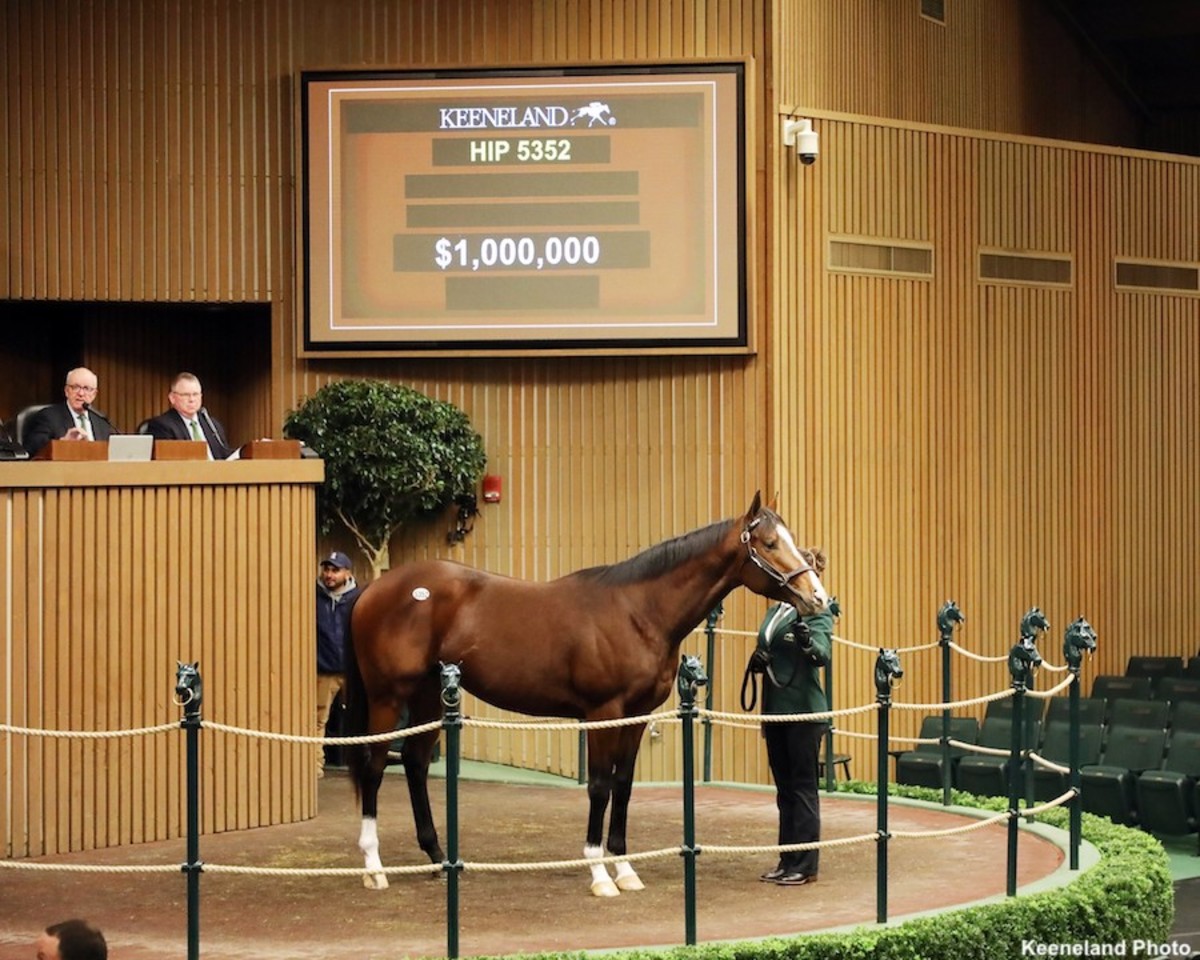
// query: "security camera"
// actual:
[[801, 135]]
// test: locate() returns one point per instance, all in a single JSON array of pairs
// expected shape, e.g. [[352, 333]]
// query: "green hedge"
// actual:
[[1128, 896]]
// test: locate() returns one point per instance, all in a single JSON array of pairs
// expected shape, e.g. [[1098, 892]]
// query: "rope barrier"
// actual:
[[1046, 694], [1048, 764], [88, 734]]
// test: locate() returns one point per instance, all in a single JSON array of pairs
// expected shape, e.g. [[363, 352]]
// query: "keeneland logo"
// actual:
[[508, 118]]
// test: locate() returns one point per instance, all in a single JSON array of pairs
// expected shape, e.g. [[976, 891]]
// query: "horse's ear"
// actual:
[[196, 665], [756, 505], [774, 504]]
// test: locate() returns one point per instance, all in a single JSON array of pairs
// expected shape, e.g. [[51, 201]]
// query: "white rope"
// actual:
[[665, 716], [316, 871], [948, 831], [790, 717], [977, 656], [955, 704], [91, 868], [565, 864], [790, 847], [88, 734], [1048, 764], [976, 748], [1046, 694], [296, 738]]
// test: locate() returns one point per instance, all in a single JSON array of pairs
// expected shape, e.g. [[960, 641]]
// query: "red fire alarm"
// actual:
[[491, 488]]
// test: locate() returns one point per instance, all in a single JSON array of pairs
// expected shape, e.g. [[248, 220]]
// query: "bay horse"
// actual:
[[597, 644]]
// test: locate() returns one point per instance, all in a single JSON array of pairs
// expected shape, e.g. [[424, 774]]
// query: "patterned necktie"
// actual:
[[84, 425], [195, 428]]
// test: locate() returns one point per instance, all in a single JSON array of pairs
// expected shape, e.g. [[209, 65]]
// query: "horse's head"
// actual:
[[783, 571], [189, 689], [1080, 638], [888, 672]]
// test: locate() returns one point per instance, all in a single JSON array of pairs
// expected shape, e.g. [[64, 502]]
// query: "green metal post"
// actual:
[[193, 867], [581, 775], [710, 653], [690, 676], [830, 778], [887, 672], [948, 616], [1023, 661], [1079, 639], [452, 865]]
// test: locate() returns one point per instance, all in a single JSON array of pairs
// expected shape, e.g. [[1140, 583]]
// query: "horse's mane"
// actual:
[[659, 559]]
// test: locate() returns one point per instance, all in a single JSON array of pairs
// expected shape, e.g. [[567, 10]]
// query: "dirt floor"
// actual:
[[144, 916]]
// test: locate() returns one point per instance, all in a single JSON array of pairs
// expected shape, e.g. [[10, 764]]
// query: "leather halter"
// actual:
[[783, 579]]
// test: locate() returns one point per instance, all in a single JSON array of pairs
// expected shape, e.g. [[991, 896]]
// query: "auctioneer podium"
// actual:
[[116, 571]]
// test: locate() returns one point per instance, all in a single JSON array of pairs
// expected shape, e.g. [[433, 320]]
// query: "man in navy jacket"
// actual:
[[336, 591]]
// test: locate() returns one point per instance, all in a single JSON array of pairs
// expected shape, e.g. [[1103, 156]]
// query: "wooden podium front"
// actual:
[[73, 451], [180, 450], [117, 571], [271, 450]]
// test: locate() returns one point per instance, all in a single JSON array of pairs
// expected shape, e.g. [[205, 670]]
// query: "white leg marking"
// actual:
[[368, 843], [602, 885], [627, 878]]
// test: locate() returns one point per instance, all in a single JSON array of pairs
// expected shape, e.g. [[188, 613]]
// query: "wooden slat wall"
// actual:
[[148, 153], [998, 444], [104, 589]]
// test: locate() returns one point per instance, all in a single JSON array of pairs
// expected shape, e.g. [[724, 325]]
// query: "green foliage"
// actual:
[[392, 455], [1127, 896]]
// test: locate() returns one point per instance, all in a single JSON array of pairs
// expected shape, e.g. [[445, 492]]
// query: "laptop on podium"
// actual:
[[135, 447]]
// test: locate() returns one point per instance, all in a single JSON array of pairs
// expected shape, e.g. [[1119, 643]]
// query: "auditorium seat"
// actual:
[[986, 775], [922, 766], [1112, 686], [1109, 787], [1166, 798]]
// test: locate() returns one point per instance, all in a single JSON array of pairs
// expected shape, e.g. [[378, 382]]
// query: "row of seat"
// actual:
[[1135, 768], [1111, 686]]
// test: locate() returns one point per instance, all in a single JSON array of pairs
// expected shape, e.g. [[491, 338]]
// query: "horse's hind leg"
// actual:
[[629, 739], [601, 745], [418, 751]]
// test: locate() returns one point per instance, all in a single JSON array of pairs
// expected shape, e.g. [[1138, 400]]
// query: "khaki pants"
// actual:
[[328, 684]]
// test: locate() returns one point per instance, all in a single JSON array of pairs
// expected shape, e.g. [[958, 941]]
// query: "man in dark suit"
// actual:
[[73, 419], [188, 420]]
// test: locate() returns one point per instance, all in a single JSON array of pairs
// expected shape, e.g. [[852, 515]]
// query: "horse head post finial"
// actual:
[[948, 616], [1033, 623], [888, 673], [189, 688], [1079, 639], [691, 676], [451, 685]]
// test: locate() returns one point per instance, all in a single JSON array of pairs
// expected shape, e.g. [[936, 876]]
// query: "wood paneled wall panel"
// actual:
[[1002, 445], [106, 587]]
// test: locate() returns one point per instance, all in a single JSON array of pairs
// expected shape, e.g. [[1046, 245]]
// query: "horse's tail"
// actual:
[[354, 699]]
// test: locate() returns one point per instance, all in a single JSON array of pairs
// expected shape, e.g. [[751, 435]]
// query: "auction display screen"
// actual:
[[524, 210]]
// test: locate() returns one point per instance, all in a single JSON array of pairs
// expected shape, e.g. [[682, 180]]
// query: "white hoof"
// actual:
[[630, 882], [375, 881], [605, 888]]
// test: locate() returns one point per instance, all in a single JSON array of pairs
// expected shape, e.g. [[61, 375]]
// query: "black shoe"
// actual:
[[796, 879], [771, 876]]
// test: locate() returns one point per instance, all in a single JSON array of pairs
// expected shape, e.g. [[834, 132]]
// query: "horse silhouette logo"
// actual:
[[596, 113]]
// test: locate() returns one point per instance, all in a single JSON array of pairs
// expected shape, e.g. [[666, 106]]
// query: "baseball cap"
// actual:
[[337, 559]]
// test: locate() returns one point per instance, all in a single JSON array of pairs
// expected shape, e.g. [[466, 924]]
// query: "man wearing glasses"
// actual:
[[188, 419], [73, 419]]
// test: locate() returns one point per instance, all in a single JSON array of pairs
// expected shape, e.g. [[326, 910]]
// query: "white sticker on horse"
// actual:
[[420, 594]]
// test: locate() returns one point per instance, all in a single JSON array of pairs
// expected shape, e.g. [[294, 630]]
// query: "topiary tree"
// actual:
[[392, 455]]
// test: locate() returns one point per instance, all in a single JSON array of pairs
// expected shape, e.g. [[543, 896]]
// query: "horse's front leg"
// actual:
[[601, 752], [630, 739], [370, 778]]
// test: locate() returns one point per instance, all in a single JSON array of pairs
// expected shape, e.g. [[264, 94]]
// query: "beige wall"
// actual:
[[1001, 446]]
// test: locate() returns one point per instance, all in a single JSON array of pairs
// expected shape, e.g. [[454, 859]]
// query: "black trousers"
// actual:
[[794, 753]]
